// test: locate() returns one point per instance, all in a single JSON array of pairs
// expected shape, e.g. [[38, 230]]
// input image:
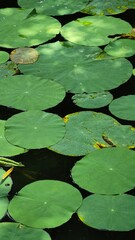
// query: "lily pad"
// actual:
[[134, 71], [24, 55], [26, 92], [106, 7], [34, 129], [3, 206], [6, 148], [121, 48], [5, 185], [8, 69], [113, 213], [45, 204], [25, 29], [18, 231], [106, 171], [4, 56], [94, 30], [92, 100], [123, 107], [51, 7], [83, 69]]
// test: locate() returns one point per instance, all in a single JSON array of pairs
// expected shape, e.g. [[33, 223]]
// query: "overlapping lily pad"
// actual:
[[8, 69], [18, 231], [25, 29], [26, 92], [45, 204], [87, 131], [94, 30], [106, 7], [113, 213], [51, 7], [121, 48], [106, 171], [92, 100], [82, 70], [6, 148], [4, 56], [5, 186], [123, 107], [34, 129], [24, 55]]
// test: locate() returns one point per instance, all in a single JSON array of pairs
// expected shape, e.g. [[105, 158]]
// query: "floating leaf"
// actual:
[[83, 69], [6, 148], [121, 48], [18, 231], [27, 30], [93, 100], [5, 185], [94, 30], [113, 213], [26, 92], [134, 71], [106, 171], [3, 206], [45, 204], [106, 7], [7, 69], [34, 129], [4, 56], [51, 7], [123, 107], [24, 55]]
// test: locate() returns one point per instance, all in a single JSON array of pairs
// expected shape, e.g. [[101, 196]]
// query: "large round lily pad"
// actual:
[[113, 213], [87, 131], [45, 204], [6, 148], [123, 107], [79, 68], [26, 92], [51, 7], [106, 7], [25, 29], [34, 129], [18, 231], [121, 48], [94, 30], [106, 171]]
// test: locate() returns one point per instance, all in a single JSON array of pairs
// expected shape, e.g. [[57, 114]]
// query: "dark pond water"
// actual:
[[45, 164]]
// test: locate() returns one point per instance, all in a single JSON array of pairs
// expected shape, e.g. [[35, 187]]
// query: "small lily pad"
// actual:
[[4, 56], [3, 206], [113, 213], [92, 100], [45, 204], [24, 55], [18, 231], [34, 129], [5, 185], [8, 69], [123, 107]]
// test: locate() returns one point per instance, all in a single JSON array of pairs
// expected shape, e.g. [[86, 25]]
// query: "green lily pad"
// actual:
[[6, 148], [45, 204], [123, 107], [5, 185], [94, 30], [24, 55], [26, 92], [113, 213], [4, 56], [41, 128], [25, 30], [8, 69], [106, 7], [3, 206], [121, 48], [92, 100], [51, 7], [106, 171], [18, 231], [83, 69], [134, 71]]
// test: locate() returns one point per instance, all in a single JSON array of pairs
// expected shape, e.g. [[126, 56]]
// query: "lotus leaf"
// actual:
[[4, 56], [24, 55], [5, 185], [3, 206]]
